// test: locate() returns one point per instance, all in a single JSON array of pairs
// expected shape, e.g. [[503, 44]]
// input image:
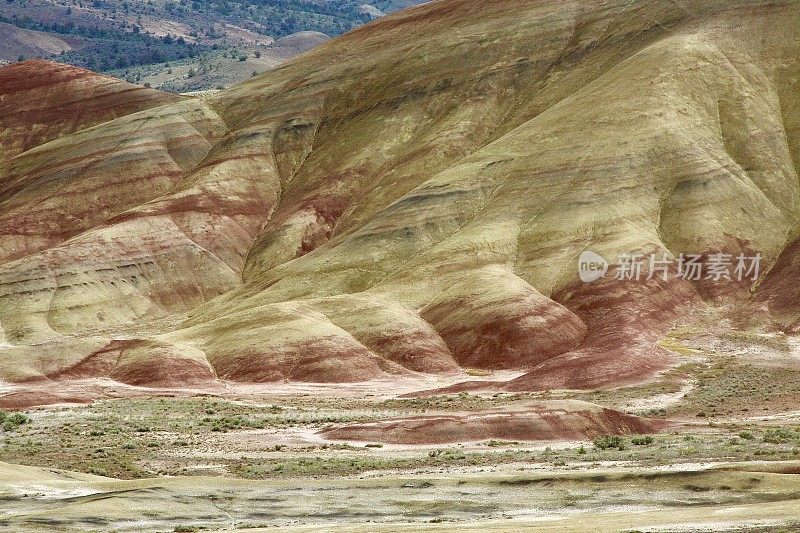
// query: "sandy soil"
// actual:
[[603, 500]]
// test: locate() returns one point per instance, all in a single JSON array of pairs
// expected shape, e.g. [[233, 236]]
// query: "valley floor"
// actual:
[[243, 457], [754, 496]]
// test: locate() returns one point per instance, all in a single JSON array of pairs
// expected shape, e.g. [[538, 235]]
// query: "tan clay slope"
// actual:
[[41, 100], [414, 195], [461, 175], [28, 43]]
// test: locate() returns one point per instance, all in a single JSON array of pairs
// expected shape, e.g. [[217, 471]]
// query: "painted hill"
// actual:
[[553, 420], [41, 100], [413, 197]]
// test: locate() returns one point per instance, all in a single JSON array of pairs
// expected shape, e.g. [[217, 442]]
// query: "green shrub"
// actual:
[[642, 440], [454, 455], [781, 436], [607, 442], [12, 421]]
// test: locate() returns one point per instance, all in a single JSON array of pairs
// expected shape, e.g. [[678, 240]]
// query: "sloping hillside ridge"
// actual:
[[414, 196], [41, 101]]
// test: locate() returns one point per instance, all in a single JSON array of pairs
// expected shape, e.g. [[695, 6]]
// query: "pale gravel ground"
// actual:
[[660, 401], [603, 499], [375, 390]]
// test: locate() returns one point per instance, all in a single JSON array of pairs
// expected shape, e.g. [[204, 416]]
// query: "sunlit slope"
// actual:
[[40, 101], [108, 228], [413, 196], [465, 189]]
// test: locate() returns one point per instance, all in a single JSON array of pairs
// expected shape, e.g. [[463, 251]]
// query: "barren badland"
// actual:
[[352, 292]]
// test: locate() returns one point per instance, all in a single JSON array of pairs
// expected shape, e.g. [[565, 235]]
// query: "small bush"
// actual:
[[453, 455], [642, 440], [607, 442], [781, 436], [12, 421]]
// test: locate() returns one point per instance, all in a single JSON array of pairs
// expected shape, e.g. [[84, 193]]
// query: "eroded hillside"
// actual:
[[414, 197]]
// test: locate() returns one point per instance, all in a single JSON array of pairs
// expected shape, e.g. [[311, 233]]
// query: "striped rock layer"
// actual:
[[411, 197], [557, 419]]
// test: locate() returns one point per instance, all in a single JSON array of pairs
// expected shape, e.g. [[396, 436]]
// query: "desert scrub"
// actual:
[[12, 421], [458, 402], [728, 387], [607, 442], [258, 468], [501, 443], [781, 436]]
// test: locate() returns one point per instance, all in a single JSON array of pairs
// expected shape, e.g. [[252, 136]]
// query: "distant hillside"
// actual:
[[219, 69], [104, 35], [18, 42]]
